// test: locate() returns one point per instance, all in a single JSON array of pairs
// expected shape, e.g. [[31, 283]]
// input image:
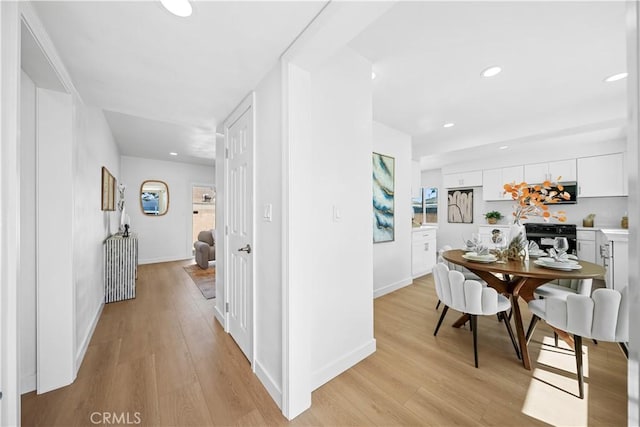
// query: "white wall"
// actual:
[[341, 329], [94, 147], [416, 178], [392, 260], [27, 288], [608, 210], [268, 234], [167, 237], [91, 147]]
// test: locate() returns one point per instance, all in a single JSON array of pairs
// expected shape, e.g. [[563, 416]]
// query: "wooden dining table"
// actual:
[[519, 279]]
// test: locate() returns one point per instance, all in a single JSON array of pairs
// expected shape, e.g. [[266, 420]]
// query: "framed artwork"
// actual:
[[108, 191], [460, 206], [383, 198]]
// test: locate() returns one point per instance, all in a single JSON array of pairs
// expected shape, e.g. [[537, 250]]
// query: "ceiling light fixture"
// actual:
[[173, 153], [448, 125], [494, 70], [616, 77], [504, 147], [181, 8], [373, 75]]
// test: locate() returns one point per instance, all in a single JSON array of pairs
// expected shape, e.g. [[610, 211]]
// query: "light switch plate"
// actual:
[[267, 216], [337, 216]]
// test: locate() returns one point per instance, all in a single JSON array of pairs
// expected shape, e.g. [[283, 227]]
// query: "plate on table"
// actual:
[[536, 254], [472, 256], [550, 260], [567, 266]]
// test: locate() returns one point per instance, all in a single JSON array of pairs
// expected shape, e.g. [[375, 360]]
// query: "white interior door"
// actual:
[[55, 325], [240, 223]]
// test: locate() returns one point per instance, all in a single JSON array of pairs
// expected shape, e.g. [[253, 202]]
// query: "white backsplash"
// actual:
[[608, 211]]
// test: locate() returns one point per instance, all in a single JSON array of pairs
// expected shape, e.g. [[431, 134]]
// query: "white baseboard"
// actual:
[[392, 287], [423, 273], [335, 368], [28, 383], [87, 339], [269, 383], [220, 317], [163, 259]]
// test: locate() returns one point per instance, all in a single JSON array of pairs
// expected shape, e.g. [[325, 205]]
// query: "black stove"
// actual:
[[544, 233]]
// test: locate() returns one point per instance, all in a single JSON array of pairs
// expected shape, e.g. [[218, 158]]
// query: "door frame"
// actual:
[[195, 184], [249, 102], [9, 211]]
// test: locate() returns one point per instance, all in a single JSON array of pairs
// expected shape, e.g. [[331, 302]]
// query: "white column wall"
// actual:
[[392, 260], [633, 153], [340, 229], [268, 233]]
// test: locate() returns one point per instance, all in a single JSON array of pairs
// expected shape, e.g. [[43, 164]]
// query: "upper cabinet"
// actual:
[[462, 179], [602, 176], [493, 181], [539, 172]]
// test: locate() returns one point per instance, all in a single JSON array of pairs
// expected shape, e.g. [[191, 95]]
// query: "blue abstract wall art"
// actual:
[[383, 198]]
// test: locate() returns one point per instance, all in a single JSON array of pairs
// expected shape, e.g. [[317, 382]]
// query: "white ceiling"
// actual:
[[428, 57], [167, 82]]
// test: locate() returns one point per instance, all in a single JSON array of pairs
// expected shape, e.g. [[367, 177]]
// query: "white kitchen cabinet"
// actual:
[[602, 176], [424, 252], [462, 179], [615, 253], [586, 245], [539, 172], [493, 181]]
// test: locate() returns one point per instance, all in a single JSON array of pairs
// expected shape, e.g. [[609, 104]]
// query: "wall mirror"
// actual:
[[154, 197]]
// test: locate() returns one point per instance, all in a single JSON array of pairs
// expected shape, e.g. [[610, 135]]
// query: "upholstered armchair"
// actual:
[[205, 248]]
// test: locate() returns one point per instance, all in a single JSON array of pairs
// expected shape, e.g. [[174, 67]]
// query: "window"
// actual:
[[425, 208]]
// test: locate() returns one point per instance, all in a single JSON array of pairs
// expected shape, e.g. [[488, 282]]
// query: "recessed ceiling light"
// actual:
[[180, 8], [373, 75], [616, 77], [448, 125], [173, 153], [504, 147], [494, 70]]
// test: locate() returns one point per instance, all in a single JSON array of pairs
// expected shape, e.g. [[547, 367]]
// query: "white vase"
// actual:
[[518, 237], [123, 218]]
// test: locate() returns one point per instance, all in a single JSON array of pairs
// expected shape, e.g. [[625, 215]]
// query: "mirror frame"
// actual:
[[140, 197]]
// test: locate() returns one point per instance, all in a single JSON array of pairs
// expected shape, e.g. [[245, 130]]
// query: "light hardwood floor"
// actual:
[[164, 356]]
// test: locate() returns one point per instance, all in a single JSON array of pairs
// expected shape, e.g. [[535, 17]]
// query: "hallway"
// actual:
[[163, 356]]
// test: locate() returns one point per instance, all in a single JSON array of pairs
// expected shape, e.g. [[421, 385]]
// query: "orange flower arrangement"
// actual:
[[533, 200]]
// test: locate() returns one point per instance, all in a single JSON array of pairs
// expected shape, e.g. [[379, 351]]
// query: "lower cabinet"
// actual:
[[424, 252], [586, 245]]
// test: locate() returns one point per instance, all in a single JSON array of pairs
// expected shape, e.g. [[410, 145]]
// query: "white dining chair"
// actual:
[[604, 316], [559, 288], [467, 274], [472, 298]]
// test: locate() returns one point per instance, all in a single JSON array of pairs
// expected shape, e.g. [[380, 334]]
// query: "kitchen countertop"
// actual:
[[616, 234], [425, 227], [601, 227]]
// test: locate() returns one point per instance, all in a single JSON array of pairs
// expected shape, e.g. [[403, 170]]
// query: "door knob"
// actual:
[[246, 249]]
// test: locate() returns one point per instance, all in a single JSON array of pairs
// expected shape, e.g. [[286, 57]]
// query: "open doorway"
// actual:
[[203, 198]]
